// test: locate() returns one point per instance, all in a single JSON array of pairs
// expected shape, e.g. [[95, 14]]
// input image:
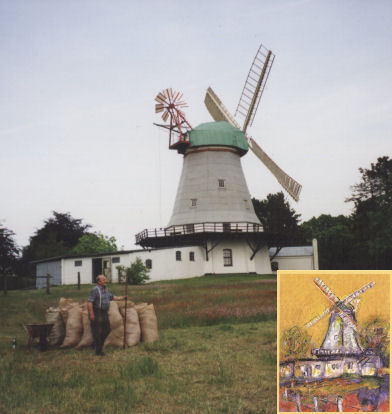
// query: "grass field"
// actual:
[[216, 353]]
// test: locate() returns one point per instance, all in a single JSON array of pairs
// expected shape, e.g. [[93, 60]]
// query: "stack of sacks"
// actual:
[[57, 333], [148, 322], [87, 338], [141, 324], [132, 329]]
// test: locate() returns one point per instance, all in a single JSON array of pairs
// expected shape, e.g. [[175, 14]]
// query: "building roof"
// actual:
[[218, 134], [292, 251], [77, 256]]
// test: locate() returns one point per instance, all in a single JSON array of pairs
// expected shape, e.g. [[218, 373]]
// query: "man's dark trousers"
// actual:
[[100, 328]]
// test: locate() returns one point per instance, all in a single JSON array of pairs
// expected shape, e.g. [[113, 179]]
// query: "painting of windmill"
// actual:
[[333, 341]]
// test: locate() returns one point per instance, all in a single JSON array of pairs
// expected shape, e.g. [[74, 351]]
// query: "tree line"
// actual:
[[361, 240]]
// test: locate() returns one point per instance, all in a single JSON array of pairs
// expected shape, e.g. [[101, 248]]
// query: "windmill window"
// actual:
[[193, 202], [178, 256], [78, 263], [221, 183], [191, 256], [149, 264], [115, 260], [227, 257]]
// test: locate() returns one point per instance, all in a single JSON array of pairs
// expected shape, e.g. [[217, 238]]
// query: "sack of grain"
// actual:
[[57, 333], [116, 336], [73, 327], [87, 337], [65, 305], [148, 323], [132, 336]]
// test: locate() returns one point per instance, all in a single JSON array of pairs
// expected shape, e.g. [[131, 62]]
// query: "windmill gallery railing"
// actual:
[[199, 228]]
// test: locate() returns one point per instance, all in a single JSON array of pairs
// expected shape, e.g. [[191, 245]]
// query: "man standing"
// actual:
[[98, 305]]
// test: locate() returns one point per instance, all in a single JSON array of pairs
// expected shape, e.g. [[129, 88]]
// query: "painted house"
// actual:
[[315, 369]]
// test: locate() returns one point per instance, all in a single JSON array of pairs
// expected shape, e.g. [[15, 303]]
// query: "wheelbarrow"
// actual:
[[38, 330]]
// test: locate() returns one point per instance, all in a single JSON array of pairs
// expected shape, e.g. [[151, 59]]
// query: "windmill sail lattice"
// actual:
[[254, 85]]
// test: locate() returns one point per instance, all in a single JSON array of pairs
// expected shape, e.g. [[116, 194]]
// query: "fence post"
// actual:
[[47, 283], [78, 280], [298, 401], [339, 403]]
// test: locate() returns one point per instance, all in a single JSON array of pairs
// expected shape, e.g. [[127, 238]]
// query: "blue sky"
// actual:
[[78, 81]]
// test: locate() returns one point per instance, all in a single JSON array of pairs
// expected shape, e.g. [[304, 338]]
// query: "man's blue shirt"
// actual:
[[100, 298]]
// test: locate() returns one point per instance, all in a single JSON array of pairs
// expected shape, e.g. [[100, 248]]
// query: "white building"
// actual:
[[164, 264]]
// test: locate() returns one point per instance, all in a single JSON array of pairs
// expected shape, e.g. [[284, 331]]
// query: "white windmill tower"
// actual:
[[213, 206]]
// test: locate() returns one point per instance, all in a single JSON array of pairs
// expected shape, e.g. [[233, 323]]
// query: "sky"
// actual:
[[77, 87]]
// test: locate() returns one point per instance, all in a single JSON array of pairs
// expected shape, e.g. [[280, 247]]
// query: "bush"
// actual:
[[137, 273]]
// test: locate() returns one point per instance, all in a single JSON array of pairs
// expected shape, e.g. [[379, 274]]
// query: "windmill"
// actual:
[[342, 330], [247, 108], [213, 208]]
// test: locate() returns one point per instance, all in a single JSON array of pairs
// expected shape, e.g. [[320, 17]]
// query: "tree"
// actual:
[[294, 343], [335, 240], [374, 334], [372, 216], [137, 273], [9, 251], [278, 219], [94, 243], [57, 237]]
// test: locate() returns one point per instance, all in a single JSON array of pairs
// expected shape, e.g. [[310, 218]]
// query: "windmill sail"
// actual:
[[254, 85], [217, 110], [288, 183]]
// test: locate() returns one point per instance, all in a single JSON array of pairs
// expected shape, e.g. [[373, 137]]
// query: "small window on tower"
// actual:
[[221, 183], [178, 256], [191, 256], [78, 263], [193, 202], [227, 257], [149, 264]]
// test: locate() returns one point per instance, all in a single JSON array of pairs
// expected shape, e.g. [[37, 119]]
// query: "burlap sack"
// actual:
[[57, 333], [132, 336], [148, 324], [116, 336], [73, 327], [65, 305], [87, 337], [140, 306]]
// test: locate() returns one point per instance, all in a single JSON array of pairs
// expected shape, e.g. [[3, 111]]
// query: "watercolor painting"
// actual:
[[333, 341]]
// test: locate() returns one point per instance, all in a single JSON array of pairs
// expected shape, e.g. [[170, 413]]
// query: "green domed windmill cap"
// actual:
[[218, 134]]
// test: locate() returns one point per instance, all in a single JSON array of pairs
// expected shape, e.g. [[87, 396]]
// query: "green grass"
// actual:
[[216, 353]]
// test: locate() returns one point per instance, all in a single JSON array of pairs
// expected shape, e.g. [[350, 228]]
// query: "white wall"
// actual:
[[166, 267], [70, 271], [295, 263]]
